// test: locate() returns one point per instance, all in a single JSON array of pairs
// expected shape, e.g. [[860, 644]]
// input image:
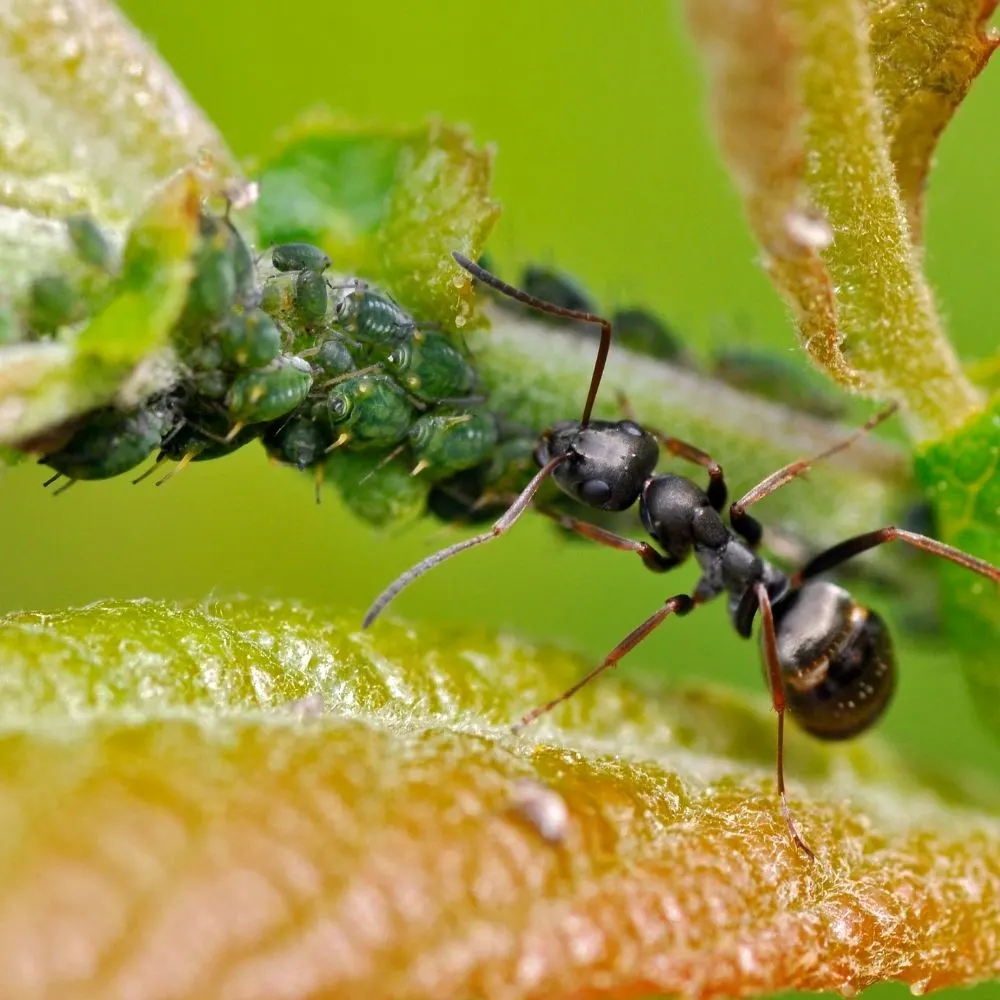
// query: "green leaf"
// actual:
[[168, 767], [388, 204], [44, 385], [962, 474], [92, 121]]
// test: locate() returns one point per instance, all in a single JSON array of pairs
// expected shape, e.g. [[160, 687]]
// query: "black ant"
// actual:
[[829, 660]]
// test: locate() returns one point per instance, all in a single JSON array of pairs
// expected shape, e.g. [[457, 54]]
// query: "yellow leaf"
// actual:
[[925, 57], [799, 119], [251, 799]]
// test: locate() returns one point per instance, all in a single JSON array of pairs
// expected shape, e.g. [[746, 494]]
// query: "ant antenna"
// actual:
[[481, 274], [506, 522]]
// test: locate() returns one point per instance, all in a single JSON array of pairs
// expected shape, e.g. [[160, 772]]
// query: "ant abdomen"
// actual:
[[837, 660]]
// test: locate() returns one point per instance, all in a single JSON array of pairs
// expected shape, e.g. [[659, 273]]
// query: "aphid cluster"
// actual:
[[277, 349]]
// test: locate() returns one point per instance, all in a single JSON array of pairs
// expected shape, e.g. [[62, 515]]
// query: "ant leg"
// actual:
[[689, 453], [681, 604], [651, 558], [773, 663], [716, 491], [503, 525], [852, 547], [750, 527]]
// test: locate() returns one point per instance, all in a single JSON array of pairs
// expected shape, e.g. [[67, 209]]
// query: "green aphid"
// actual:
[[481, 494], [645, 333], [110, 442], [310, 297], [244, 269], [333, 357], [368, 411], [300, 441], [447, 443], [198, 434], [249, 339], [277, 297], [299, 257], [54, 302], [550, 285], [373, 316], [430, 368], [258, 396], [90, 244], [771, 376], [213, 289], [210, 384], [380, 492]]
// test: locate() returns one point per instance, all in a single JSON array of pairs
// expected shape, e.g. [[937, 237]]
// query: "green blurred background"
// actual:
[[606, 166]]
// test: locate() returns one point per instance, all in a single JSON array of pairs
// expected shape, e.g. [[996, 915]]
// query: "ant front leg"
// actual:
[[652, 559]]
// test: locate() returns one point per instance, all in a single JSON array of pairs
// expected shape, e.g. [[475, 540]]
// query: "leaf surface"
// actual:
[[252, 799]]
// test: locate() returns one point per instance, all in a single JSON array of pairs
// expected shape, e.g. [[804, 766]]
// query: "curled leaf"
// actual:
[[925, 57], [800, 120], [265, 802], [387, 203], [91, 121]]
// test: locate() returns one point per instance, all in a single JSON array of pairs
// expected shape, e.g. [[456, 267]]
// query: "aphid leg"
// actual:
[[852, 547], [62, 489], [503, 525], [342, 439], [153, 468], [179, 467], [681, 604], [48, 482], [318, 482], [651, 557], [748, 526], [553, 310], [233, 431], [773, 663]]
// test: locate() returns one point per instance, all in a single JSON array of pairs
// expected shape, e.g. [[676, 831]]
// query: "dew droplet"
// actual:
[[919, 987]]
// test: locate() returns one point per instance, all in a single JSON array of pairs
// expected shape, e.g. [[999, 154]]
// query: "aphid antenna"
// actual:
[[487, 278], [395, 453], [374, 369]]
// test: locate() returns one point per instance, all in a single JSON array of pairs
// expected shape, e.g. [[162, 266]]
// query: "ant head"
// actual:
[[837, 660], [608, 462]]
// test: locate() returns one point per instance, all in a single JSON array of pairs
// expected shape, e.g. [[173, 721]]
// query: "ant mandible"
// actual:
[[829, 660]]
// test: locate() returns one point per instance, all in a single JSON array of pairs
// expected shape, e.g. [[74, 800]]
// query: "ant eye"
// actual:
[[594, 491]]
